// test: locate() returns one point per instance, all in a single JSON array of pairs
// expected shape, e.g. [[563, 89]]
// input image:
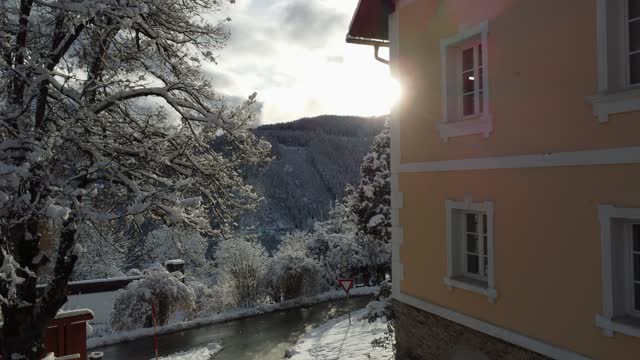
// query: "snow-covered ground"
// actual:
[[337, 339], [204, 353], [107, 338]]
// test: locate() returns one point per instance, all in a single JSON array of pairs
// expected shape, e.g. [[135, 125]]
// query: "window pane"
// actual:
[[484, 244], [636, 267], [467, 59], [485, 271], [473, 264], [472, 223], [468, 105], [636, 298], [481, 101], [480, 79], [634, 36], [480, 54], [634, 9], [636, 237], [472, 243], [634, 67], [484, 223], [468, 82]]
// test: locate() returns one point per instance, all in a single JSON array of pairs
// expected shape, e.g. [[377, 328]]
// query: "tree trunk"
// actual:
[[26, 320], [21, 334]]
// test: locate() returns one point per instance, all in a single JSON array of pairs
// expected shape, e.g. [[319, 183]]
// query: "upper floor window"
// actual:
[[618, 58], [633, 24], [465, 92], [472, 88]]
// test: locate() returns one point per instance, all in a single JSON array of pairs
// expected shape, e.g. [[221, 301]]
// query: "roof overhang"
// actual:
[[370, 23]]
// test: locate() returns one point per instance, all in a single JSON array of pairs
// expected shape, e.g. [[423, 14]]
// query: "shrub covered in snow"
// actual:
[[209, 299], [334, 245], [132, 305], [292, 273], [382, 308], [242, 265]]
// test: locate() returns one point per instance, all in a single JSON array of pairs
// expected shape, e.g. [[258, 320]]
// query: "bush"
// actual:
[[382, 308], [132, 306], [209, 300], [243, 265], [292, 272]]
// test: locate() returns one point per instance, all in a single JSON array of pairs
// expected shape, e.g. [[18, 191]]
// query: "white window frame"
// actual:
[[616, 94], [627, 22], [629, 269], [456, 249], [617, 314], [481, 233], [453, 122]]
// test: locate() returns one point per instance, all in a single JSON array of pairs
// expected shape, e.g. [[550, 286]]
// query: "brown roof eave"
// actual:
[[369, 24], [365, 41]]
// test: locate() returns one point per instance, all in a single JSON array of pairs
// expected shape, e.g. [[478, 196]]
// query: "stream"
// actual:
[[264, 337]]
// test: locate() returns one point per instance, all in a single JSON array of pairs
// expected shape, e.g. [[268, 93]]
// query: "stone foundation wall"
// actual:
[[423, 336]]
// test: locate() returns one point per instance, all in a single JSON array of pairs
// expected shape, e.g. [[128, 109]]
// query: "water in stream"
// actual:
[[264, 337]]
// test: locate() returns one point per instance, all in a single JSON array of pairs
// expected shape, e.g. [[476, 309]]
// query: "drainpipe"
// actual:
[[376, 54], [389, 7]]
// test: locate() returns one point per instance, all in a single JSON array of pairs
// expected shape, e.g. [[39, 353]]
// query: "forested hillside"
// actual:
[[315, 158]]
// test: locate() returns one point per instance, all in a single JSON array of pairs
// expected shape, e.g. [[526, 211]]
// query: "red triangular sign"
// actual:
[[346, 284]]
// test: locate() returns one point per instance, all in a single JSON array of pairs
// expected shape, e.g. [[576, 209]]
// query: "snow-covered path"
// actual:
[[337, 339]]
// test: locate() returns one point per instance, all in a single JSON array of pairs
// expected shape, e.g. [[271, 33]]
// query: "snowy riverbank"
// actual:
[[337, 339], [113, 338]]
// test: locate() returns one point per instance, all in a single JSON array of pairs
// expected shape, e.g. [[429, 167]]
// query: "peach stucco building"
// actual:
[[516, 176]]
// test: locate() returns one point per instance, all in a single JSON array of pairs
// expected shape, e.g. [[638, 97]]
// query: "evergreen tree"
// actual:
[[370, 203]]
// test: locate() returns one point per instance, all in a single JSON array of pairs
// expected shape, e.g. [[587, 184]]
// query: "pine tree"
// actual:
[[370, 203]]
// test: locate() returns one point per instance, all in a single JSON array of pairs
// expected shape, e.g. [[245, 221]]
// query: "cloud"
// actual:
[[293, 54], [310, 24]]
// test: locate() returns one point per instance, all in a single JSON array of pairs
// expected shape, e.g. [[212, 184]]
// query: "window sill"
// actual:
[[481, 125], [605, 104], [473, 285], [624, 325]]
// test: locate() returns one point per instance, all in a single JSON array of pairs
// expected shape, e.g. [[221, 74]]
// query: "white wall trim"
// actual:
[[397, 269], [490, 293], [609, 326], [606, 104], [482, 125], [627, 155], [490, 329], [603, 68]]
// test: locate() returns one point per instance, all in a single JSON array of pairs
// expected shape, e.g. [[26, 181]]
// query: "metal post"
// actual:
[[349, 307]]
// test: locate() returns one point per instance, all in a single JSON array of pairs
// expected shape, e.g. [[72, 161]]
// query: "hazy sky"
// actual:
[[293, 54]]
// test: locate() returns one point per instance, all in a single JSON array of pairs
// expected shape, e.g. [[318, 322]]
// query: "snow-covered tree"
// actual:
[[102, 254], [189, 245], [292, 273], [105, 115], [243, 265], [370, 203], [333, 244], [132, 308]]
